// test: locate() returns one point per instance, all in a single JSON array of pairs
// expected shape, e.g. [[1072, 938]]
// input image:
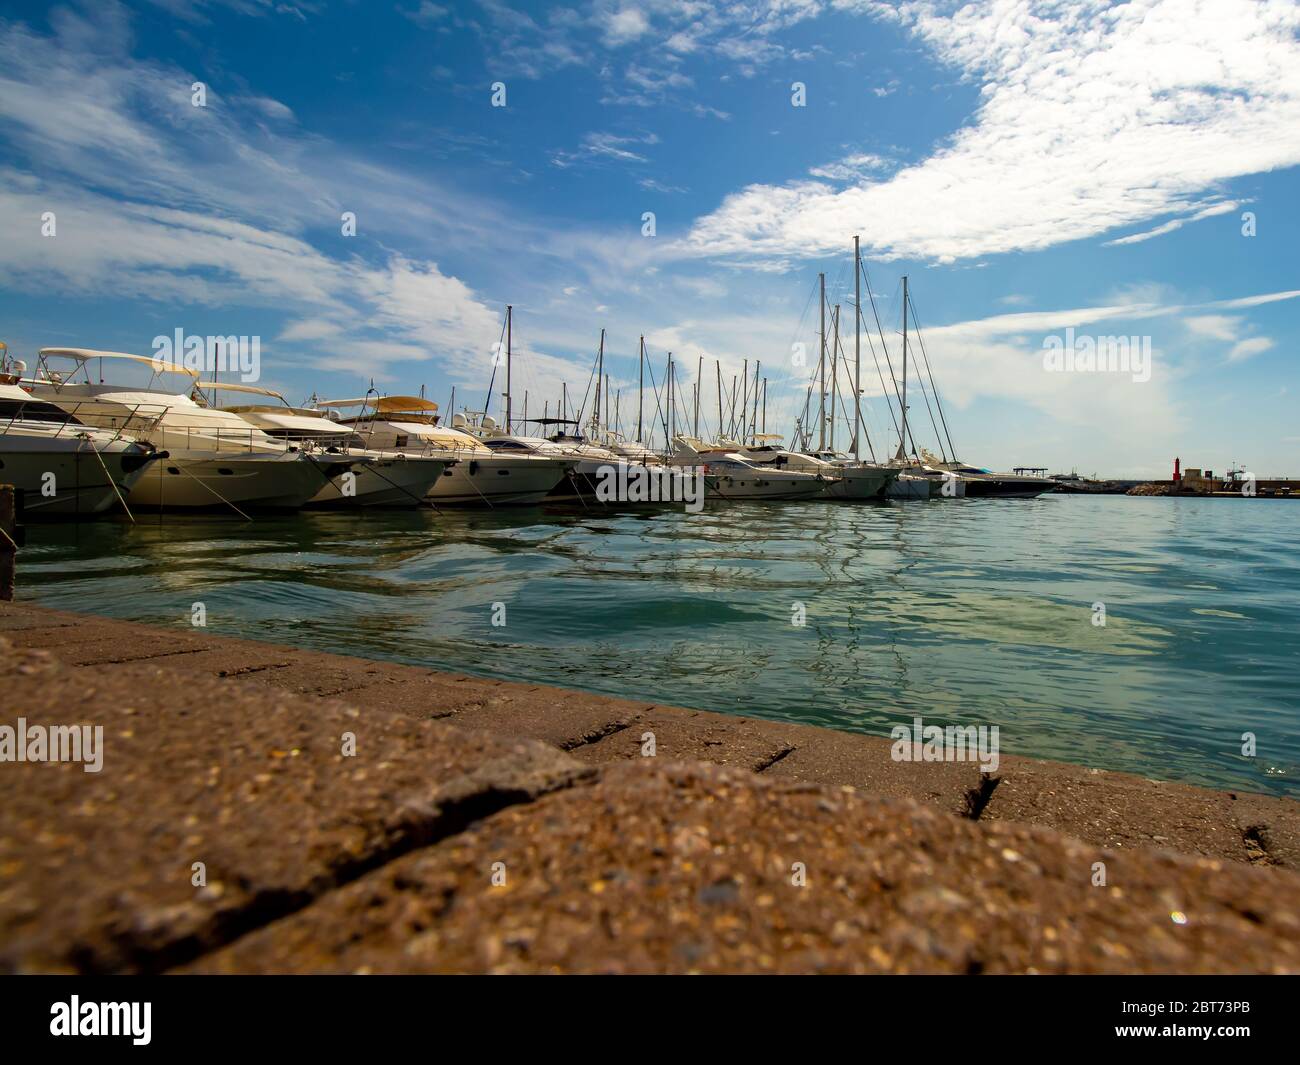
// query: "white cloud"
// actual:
[[626, 24], [1217, 326], [1244, 349], [850, 168], [1092, 117]]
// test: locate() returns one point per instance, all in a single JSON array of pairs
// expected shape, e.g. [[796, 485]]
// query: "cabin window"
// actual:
[[503, 473], [173, 469], [402, 440], [225, 472]]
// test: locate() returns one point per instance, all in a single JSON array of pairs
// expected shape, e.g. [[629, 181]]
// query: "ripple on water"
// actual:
[[967, 612]]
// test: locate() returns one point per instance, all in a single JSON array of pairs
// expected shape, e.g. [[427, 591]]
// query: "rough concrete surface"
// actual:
[[232, 753], [693, 868]]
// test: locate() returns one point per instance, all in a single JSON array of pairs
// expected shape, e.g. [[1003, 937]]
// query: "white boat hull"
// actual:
[[496, 480], [762, 484], [208, 480], [859, 482], [394, 481], [908, 487], [68, 481]]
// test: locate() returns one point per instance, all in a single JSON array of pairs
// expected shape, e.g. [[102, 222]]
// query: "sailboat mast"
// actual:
[[509, 390], [640, 393], [669, 391], [699, 382], [835, 368], [857, 348], [753, 422], [600, 375], [821, 366], [902, 437], [718, 366]]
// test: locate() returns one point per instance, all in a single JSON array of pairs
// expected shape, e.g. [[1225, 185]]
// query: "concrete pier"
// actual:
[[264, 808]]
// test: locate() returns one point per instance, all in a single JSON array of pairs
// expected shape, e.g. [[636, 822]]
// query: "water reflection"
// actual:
[[976, 611]]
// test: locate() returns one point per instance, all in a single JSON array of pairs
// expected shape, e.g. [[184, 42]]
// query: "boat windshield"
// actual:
[[35, 410]]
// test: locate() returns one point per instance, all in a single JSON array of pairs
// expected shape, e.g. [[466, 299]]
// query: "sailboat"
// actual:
[[858, 479]]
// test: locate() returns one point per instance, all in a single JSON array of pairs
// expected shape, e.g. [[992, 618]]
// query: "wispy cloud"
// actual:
[[1092, 117]]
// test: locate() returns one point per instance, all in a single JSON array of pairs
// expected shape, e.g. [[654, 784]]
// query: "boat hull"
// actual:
[[219, 480], [494, 480], [906, 487], [69, 481], [395, 481], [1005, 488], [760, 484], [860, 482]]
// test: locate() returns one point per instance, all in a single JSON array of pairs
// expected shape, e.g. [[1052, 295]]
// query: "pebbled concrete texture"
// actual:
[[696, 868], [97, 869], [230, 753]]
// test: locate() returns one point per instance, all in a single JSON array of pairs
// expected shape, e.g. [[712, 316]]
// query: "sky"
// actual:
[[1031, 167]]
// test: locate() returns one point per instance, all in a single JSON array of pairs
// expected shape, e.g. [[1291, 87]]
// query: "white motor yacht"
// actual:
[[377, 479], [59, 464], [728, 474], [479, 477], [215, 459]]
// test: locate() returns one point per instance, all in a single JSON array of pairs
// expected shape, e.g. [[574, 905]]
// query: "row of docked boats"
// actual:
[[75, 441]]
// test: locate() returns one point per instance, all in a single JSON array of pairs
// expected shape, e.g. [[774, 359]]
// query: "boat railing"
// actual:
[[73, 419]]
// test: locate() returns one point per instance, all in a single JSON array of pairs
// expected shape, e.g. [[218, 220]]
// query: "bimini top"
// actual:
[[386, 404], [234, 386], [84, 355]]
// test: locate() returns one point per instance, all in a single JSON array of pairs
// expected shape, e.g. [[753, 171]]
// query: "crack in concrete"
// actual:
[[595, 735], [139, 658], [767, 763], [244, 671], [449, 816]]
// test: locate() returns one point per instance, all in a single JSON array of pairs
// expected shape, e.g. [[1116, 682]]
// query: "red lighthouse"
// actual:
[[1177, 476]]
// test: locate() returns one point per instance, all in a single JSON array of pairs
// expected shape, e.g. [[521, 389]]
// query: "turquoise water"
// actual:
[[963, 612]]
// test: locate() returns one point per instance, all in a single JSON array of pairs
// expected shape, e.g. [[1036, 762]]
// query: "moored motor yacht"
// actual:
[[846, 477], [215, 459], [730, 475], [979, 482], [590, 464], [60, 465], [479, 477], [378, 478]]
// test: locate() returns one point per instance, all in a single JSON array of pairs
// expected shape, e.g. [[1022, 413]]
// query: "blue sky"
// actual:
[[1030, 166]]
